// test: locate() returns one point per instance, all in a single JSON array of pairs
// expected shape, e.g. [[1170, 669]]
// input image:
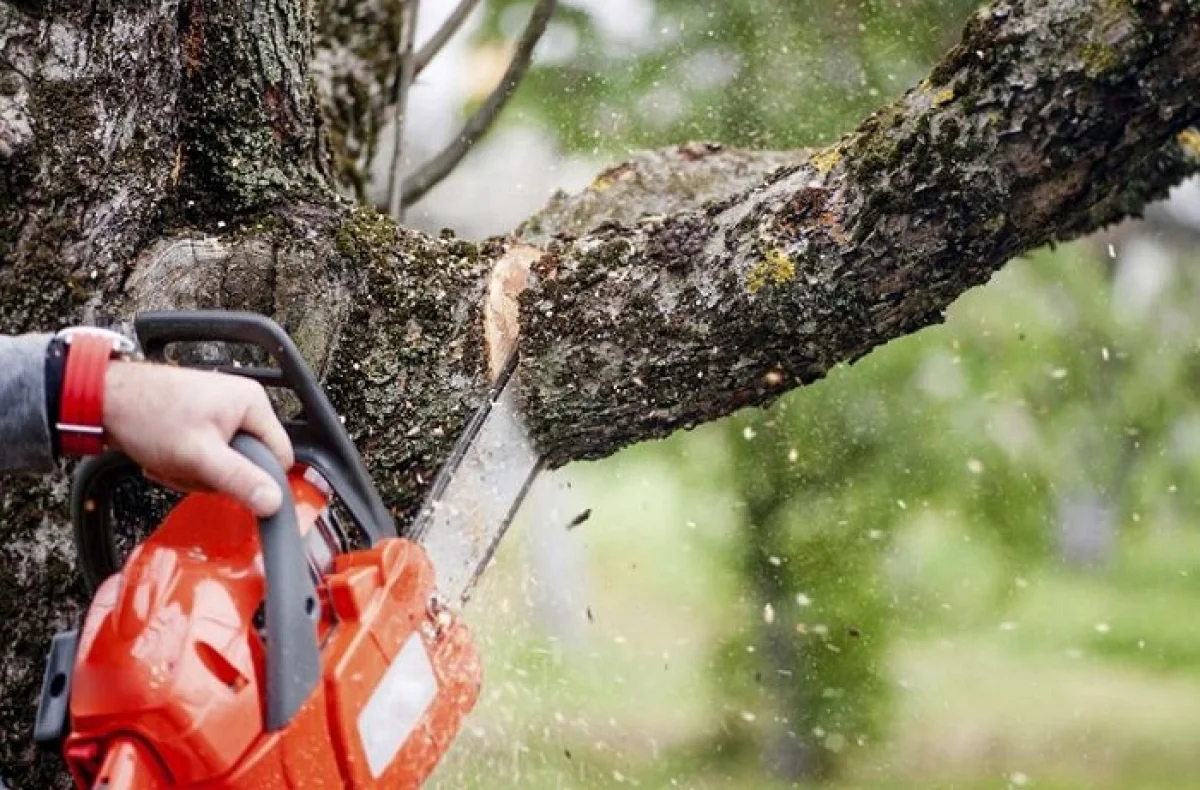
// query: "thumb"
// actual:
[[223, 469]]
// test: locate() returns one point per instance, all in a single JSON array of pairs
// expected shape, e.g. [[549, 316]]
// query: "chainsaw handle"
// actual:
[[320, 439], [292, 608]]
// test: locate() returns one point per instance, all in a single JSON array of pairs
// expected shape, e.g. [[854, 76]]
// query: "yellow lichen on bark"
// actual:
[[826, 159], [1189, 141], [777, 268]]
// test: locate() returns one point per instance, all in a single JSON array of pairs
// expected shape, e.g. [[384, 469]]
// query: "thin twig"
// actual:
[[434, 45], [439, 39], [432, 172], [408, 31]]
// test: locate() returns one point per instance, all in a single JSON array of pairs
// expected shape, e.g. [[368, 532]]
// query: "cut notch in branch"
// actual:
[[436, 169], [509, 277]]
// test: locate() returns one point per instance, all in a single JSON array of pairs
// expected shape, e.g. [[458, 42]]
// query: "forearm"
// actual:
[[24, 426]]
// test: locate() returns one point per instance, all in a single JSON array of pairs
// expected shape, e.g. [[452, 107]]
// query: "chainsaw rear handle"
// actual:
[[320, 439], [92, 488], [291, 606]]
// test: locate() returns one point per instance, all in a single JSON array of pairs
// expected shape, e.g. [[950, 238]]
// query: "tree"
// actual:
[[163, 156]]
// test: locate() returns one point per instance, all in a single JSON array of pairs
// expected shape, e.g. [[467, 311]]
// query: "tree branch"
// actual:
[[404, 81], [1035, 128], [441, 165], [656, 183], [444, 33]]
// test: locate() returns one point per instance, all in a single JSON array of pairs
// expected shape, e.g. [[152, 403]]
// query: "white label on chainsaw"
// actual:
[[397, 705]]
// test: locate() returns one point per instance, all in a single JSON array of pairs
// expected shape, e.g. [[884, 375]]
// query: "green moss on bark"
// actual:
[[367, 236]]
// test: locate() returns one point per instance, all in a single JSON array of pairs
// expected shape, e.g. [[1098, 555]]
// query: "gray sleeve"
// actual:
[[24, 430]]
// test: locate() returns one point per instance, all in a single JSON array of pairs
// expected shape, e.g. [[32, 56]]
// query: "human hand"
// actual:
[[177, 423]]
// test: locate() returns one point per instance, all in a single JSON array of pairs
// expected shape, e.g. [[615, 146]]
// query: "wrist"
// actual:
[[117, 385]]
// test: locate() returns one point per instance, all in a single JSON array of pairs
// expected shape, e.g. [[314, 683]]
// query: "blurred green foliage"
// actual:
[[756, 73], [1026, 472]]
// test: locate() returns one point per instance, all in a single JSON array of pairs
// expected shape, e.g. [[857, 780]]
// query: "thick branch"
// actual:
[[719, 279], [656, 183], [1048, 121]]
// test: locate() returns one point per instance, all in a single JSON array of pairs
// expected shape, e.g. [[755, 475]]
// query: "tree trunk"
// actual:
[[182, 154]]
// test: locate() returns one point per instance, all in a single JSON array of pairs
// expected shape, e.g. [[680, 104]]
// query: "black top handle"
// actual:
[[292, 607], [319, 439]]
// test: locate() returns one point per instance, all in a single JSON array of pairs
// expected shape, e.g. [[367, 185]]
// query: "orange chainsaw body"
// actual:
[[168, 677]]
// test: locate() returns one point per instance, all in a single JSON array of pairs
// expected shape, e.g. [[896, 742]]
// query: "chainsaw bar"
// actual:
[[478, 491]]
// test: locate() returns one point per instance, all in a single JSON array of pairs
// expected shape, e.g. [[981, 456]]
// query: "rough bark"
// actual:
[[167, 154]]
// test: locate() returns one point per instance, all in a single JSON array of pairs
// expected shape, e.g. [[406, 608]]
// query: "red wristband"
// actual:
[[80, 423], [81, 411]]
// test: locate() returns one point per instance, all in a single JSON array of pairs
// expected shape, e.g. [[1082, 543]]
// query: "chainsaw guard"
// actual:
[[91, 515]]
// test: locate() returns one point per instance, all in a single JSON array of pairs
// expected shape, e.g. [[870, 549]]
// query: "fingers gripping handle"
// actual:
[[320, 439], [292, 607]]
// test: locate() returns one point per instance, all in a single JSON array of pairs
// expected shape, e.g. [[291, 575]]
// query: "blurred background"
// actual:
[[968, 561]]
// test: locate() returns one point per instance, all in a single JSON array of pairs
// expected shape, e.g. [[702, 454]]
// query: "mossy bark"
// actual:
[[158, 155]]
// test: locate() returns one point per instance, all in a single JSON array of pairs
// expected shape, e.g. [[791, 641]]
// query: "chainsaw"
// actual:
[[319, 648]]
